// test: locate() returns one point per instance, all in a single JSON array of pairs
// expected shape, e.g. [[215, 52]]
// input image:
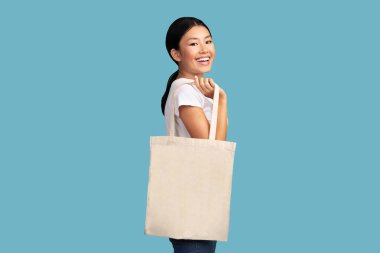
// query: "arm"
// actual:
[[197, 124]]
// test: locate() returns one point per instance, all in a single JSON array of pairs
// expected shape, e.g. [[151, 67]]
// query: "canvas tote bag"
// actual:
[[189, 186]]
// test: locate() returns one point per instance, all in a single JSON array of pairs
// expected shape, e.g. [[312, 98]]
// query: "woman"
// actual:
[[190, 45]]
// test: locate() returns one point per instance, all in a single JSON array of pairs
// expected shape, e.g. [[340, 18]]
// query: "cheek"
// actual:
[[190, 56], [191, 52], [212, 49]]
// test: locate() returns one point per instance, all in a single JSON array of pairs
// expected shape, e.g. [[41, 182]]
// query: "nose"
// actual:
[[203, 49]]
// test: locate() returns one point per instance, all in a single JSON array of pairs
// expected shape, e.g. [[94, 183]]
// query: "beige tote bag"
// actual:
[[189, 186]]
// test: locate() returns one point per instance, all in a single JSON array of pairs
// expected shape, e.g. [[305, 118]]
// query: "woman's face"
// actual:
[[196, 52]]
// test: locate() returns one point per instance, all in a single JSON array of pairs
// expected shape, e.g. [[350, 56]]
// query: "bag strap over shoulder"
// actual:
[[214, 116]]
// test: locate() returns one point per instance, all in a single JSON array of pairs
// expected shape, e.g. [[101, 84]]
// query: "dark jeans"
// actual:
[[193, 246]]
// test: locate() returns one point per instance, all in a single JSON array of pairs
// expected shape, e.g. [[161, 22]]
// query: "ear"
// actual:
[[175, 54]]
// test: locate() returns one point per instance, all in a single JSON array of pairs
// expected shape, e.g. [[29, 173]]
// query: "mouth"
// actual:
[[203, 60]]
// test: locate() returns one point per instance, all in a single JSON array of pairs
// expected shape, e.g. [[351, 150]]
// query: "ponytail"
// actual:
[[166, 94]]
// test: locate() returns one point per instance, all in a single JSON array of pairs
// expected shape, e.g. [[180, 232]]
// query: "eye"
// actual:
[[208, 42]]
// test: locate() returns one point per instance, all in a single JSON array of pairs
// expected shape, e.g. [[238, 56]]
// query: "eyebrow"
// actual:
[[197, 38]]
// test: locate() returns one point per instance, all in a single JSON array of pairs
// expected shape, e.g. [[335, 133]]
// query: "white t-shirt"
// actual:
[[186, 95]]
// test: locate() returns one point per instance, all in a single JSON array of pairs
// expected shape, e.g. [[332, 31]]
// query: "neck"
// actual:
[[182, 74]]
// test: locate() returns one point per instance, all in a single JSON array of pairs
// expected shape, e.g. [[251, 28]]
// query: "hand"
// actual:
[[207, 87]]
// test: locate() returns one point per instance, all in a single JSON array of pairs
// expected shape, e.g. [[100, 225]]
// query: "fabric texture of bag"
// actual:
[[190, 182]]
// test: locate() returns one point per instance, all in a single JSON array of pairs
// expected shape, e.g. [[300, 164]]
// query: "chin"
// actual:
[[205, 70]]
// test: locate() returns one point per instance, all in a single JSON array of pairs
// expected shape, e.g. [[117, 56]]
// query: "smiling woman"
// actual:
[[190, 45]]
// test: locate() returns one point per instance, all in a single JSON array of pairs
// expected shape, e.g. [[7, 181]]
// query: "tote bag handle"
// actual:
[[214, 116]]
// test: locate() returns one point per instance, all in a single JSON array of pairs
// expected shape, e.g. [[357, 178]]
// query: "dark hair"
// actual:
[[173, 36]]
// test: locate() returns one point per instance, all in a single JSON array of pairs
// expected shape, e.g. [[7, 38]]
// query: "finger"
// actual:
[[202, 85], [196, 80], [208, 85], [212, 83], [197, 83]]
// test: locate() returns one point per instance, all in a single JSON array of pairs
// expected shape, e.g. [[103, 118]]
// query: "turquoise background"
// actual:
[[81, 85]]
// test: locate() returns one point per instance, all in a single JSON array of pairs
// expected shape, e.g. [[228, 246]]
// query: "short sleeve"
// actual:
[[187, 95]]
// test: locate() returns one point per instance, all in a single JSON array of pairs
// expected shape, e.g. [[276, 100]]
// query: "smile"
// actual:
[[205, 61]]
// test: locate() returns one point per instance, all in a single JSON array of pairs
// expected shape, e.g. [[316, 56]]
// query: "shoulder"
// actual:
[[188, 95], [187, 91]]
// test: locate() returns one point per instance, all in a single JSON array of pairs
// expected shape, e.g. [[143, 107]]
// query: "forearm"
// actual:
[[221, 126]]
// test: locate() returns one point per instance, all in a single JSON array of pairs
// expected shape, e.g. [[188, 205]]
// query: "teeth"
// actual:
[[203, 59]]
